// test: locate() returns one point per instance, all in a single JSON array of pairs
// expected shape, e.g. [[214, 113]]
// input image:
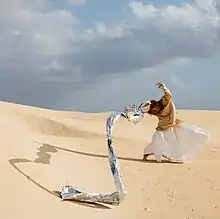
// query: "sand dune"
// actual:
[[41, 150]]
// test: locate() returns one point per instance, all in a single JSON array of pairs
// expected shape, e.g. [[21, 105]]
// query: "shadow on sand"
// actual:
[[44, 158], [53, 147]]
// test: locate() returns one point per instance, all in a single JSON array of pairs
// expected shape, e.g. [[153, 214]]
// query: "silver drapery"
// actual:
[[69, 192]]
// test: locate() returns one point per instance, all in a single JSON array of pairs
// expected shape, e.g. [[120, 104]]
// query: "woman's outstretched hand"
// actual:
[[160, 85]]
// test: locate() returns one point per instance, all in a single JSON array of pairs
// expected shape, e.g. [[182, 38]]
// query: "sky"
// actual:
[[96, 55]]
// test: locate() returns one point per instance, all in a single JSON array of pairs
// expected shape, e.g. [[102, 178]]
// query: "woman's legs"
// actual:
[[159, 148], [147, 155], [154, 148]]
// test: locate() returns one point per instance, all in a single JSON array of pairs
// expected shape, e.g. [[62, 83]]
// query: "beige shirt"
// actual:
[[167, 118]]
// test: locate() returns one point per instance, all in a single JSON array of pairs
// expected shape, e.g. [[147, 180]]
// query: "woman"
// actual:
[[172, 139]]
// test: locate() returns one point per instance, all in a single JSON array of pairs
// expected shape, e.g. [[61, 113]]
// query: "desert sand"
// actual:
[[42, 150]]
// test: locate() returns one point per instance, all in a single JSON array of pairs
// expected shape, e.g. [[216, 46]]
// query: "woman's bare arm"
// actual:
[[167, 97]]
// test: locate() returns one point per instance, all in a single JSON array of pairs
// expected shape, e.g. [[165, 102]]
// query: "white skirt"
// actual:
[[179, 143]]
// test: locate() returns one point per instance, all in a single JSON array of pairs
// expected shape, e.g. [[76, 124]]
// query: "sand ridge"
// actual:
[[42, 149]]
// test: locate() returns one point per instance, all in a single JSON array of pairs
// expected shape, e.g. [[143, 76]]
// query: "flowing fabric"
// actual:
[[179, 143], [115, 198]]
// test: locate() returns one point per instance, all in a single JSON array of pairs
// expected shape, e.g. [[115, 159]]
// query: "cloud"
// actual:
[[151, 36], [159, 34], [117, 90], [206, 4], [154, 36], [77, 2], [43, 45]]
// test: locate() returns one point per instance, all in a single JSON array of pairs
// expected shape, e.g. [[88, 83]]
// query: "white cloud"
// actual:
[[206, 4], [154, 36], [77, 2], [40, 42]]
